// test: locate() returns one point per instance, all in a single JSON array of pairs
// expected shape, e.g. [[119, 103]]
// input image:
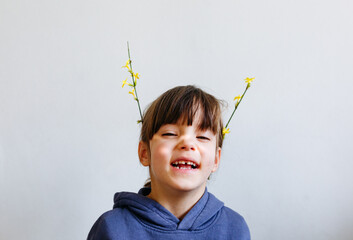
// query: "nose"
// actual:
[[187, 144]]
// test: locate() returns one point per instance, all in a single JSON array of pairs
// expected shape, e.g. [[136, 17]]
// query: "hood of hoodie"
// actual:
[[152, 213]]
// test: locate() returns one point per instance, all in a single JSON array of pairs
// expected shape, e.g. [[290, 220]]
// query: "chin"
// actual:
[[186, 186]]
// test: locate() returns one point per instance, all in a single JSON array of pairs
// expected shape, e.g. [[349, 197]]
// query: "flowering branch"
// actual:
[[238, 99], [134, 77]]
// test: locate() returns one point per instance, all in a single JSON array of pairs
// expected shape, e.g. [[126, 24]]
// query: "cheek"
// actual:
[[210, 155], [160, 152], [210, 164]]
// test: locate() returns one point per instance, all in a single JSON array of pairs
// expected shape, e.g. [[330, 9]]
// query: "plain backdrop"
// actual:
[[68, 131]]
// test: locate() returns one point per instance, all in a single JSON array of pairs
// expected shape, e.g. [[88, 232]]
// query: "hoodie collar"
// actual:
[[154, 214]]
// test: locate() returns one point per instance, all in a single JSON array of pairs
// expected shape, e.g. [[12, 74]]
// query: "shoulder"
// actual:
[[226, 213], [232, 215], [229, 223], [115, 216], [108, 223], [235, 222]]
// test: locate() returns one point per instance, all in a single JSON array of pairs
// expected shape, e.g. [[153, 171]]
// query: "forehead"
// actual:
[[195, 119], [190, 107], [197, 114]]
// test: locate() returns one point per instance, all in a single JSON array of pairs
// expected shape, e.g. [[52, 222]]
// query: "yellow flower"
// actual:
[[132, 92], [124, 82], [237, 98], [249, 80], [225, 131], [127, 65], [137, 75]]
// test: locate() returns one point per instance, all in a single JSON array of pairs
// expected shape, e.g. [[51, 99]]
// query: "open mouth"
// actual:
[[184, 164]]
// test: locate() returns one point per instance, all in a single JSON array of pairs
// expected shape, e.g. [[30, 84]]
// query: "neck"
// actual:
[[179, 203]]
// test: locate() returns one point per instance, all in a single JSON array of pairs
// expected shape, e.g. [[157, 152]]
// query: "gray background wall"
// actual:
[[68, 132]]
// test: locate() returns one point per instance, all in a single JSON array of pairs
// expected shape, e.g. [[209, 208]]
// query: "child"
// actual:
[[180, 142]]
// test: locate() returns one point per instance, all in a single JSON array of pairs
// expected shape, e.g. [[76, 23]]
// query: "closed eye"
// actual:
[[203, 138], [168, 134]]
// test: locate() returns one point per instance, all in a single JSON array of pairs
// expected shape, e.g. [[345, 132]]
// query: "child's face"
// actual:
[[182, 157]]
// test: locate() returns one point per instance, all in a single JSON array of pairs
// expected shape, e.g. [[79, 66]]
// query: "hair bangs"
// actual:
[[184, 105]]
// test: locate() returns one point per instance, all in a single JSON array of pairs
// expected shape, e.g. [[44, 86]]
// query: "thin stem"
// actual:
[[237, 104], [134, 82]]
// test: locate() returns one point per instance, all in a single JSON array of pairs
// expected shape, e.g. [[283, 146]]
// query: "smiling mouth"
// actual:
[[185, 165]]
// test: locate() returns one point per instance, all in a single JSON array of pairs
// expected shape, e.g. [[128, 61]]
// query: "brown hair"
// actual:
[[182, 103]]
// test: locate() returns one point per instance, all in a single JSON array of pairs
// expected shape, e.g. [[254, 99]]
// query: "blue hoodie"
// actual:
[[135, 216]]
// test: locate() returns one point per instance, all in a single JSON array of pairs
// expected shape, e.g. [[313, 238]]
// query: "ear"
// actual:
[[217, 159], [143, 154]]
